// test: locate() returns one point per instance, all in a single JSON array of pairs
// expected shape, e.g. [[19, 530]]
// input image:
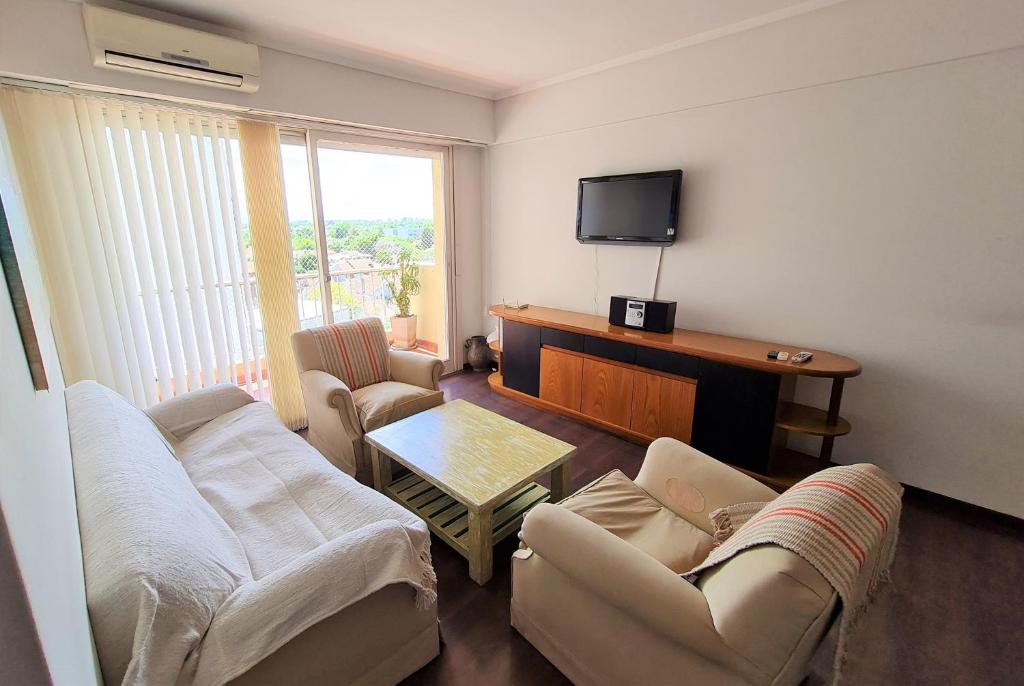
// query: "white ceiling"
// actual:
[[489, 48]]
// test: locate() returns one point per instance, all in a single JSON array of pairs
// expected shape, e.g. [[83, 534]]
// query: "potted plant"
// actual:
[[403, 282]]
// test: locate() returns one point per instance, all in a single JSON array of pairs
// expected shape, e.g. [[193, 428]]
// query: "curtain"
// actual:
[[143, 242], [272, 252]]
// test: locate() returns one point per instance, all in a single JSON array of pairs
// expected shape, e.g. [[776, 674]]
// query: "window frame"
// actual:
[[313, 139]]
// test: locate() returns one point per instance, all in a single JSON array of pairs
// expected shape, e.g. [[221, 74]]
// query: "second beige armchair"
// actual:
[[597, 586], [352, 382]]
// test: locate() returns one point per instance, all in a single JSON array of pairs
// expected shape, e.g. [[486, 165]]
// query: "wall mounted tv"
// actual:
[[630, 209]]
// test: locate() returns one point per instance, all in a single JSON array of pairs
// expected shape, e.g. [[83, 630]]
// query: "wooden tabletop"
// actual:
[[476, 456], [742, 352]]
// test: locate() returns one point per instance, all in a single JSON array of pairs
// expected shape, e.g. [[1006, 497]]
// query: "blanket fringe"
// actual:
[[723, 525], [848, 622], [426, 592]]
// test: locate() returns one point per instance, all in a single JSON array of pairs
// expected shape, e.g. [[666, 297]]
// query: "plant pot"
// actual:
[[403, 331]]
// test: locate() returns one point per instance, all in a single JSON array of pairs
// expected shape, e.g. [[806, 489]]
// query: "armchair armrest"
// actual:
[[264, 614], [416, 369], [326, 390], [622, 575], [183, 414], [334, 427], [692, 484]]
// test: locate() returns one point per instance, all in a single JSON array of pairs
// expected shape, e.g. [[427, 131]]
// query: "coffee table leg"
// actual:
[[561, 477], [481, 547], [381, 469]]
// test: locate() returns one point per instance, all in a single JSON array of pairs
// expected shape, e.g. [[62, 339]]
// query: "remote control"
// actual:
[[802, 357], [782, 357]]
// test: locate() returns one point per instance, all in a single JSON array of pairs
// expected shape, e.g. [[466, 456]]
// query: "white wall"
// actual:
[[36, 487], [469, 215], [852, 182], [46, 39]]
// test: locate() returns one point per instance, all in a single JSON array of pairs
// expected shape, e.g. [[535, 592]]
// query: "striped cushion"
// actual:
[[356, 352]]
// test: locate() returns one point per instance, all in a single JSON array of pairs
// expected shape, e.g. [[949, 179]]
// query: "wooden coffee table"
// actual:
[[472, 474]]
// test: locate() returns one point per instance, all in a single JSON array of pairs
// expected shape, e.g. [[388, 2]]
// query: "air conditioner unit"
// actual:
[[125, 42]]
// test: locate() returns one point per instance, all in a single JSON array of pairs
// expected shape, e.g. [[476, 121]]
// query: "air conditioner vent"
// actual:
[[165, 68]]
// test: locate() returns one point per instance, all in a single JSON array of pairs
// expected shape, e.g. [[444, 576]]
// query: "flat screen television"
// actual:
[[637, 209]]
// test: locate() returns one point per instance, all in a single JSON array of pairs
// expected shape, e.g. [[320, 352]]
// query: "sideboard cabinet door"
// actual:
[[561, 378], [662, 406], [607, 392], [520, 357]]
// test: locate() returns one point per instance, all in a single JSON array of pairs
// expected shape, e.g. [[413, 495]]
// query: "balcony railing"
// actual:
[[355, 293]]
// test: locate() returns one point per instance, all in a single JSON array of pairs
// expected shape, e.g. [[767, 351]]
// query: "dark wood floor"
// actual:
[[952, 616]]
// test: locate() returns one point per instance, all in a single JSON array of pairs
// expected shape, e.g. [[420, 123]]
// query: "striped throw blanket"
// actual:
[[356, 351], [843, 520]]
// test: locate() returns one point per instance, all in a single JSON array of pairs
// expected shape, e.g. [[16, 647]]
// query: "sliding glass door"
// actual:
[[363, 212]]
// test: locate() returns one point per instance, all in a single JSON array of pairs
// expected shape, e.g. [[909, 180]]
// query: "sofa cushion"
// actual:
[[181, 415], [384, 403], [618, 505], [279, 495], [159, 561]]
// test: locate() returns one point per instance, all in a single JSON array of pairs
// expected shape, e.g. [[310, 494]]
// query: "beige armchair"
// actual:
[[596, 587], [352, 382]]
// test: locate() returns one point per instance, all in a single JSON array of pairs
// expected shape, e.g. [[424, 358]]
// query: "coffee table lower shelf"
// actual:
[[449, 519]]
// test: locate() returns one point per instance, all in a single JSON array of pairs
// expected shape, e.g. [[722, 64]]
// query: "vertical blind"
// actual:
[[143, 242]]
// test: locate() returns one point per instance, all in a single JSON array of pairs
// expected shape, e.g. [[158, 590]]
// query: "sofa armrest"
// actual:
[[692, 484], [264, 614], [627, 578], [416, 369], [183, 414]]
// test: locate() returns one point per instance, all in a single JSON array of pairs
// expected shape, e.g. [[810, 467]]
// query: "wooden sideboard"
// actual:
[[720, 394]]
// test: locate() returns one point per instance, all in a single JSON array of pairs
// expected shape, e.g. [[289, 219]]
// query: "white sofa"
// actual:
[[220, 547]]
